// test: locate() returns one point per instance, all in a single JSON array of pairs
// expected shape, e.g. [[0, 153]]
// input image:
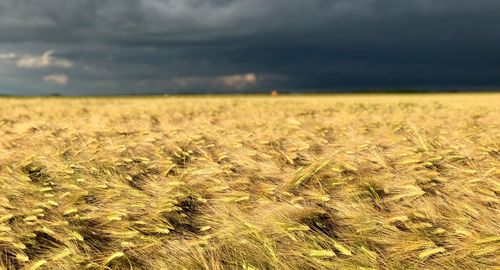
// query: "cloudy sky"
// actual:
[[174, 46]]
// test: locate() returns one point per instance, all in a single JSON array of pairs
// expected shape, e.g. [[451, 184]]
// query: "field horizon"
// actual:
[[316, 181], [281, 93]]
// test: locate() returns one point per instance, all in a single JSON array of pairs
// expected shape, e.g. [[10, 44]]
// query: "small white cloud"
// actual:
[[7, 56], [236, 81], [60, 79], [43, 61]]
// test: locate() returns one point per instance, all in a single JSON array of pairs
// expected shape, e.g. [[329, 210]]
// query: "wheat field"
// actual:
[[251, 182]]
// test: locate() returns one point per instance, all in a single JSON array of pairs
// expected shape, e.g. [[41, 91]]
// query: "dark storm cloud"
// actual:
[[125, 46]]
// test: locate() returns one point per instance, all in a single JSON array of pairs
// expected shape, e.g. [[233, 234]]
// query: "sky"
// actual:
[[103, 47]]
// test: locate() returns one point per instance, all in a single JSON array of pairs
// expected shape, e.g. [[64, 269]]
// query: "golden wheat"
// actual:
[[306, 182]]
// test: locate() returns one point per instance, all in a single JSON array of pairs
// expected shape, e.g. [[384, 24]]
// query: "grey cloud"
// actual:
[[127, 46]]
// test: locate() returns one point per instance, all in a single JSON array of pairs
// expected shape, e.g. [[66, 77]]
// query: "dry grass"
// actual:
[[348, 182]]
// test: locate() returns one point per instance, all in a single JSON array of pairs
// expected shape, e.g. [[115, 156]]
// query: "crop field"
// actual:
[[251, 182]]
